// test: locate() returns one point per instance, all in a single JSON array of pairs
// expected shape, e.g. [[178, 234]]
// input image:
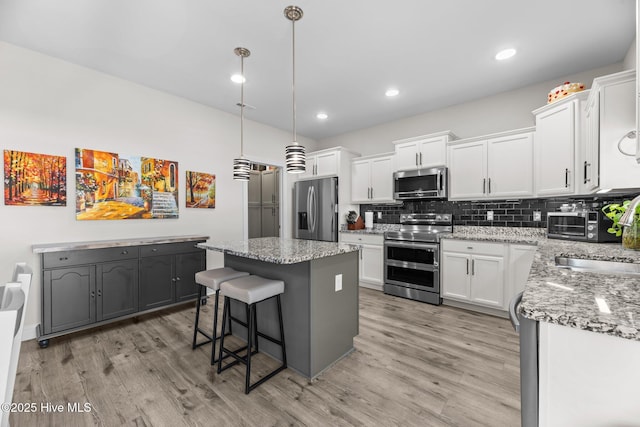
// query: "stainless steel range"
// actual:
[[412, 256]]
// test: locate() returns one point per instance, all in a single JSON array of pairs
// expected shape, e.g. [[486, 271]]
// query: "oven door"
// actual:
[[567, 225], [412, 264]]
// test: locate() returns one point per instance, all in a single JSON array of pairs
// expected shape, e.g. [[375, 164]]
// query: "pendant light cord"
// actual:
[[242, 107], [293, 23]]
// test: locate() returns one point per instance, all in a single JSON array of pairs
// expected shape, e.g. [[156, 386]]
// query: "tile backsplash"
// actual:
[[506, 213]]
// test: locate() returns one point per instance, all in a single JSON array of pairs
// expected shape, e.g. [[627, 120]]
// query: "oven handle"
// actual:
[[412, 245]]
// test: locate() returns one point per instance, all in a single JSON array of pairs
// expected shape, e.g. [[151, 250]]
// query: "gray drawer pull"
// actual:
[[154, 250], [64, 258], [124, 252]]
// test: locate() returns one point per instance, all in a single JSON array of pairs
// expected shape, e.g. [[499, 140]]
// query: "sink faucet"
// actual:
[[627, 218]]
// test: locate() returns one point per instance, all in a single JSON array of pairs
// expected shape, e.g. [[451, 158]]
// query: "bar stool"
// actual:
[[251, 290], [212, 279]]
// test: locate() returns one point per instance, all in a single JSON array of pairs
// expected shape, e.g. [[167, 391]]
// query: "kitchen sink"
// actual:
[[598, 266]]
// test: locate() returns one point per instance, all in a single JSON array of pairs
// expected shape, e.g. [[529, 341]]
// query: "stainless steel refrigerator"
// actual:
[[316, 209]]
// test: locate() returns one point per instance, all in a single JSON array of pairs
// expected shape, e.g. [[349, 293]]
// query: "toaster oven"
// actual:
[[585, 226]]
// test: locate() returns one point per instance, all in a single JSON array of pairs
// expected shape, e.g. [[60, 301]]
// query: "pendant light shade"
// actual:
[[295, 159], [241, 166]]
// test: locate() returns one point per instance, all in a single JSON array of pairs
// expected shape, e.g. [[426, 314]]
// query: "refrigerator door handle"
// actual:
[[315, 209], [312, 209], [309, 214], [513, 313]]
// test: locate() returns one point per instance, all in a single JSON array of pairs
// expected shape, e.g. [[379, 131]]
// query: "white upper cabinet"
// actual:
[[557, 129], [322, 163], [372, 179], [610, 118], [494, 166], [510, 166], [637, 92], [468, 170], [422, 151]]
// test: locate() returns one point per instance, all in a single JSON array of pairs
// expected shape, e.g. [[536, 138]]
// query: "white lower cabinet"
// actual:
[[371, 269], [482, 273], [587, 378]]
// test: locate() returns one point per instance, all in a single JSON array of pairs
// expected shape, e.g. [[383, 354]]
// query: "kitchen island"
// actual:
[[319, 304]]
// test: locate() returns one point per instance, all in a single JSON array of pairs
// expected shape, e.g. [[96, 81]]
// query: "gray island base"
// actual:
[[320, 322]]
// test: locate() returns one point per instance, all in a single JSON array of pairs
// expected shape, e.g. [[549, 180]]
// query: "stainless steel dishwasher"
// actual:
[[528, 331]]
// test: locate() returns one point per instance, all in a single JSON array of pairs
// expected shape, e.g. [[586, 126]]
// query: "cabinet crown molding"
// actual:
[[492, 135], [448, 133], [578, 96]]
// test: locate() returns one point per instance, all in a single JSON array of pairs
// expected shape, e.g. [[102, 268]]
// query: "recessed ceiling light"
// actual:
[[322, 116], [505, 54], [238, 78], [392, 92]]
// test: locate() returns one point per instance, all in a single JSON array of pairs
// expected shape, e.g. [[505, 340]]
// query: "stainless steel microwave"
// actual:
[[586, 226], [428, 183]]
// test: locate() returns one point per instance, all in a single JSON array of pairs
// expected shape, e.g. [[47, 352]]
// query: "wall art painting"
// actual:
[[117, 186], [201, 190], [32, 179]]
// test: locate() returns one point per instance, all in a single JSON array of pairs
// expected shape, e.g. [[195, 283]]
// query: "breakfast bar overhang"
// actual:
[[320, 301]]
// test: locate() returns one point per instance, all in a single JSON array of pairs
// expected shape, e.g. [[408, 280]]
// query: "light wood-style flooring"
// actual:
[[414, 364]]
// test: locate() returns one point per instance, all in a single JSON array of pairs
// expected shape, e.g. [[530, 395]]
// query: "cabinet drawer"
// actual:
[[169, 248], [362, 239], [473, 247], [88, 256]]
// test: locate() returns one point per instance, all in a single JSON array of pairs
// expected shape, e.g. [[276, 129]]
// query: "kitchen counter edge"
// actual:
[[98, 244]]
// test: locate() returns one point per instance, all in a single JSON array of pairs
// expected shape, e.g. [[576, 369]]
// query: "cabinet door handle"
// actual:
[[416, 159], [64, 258], [125, 252], [99, 292], [467, 266], [372, 192], [484, 185], [566, 178], [173, 279], [93, 294], [420, 159], [154, 250], [473, 267], [489, 186], [177, 279]]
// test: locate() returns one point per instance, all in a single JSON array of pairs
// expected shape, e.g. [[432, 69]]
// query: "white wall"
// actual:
[[629, 61], [501, 112], [50, 106]]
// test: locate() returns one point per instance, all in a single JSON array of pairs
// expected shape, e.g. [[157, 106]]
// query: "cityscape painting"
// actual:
[[32, 179], [115, 186], [201, 190]]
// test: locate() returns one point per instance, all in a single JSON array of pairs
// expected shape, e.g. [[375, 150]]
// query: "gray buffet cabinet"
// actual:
[[89, 284]]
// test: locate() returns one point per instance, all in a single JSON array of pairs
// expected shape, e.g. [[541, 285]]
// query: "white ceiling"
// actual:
[[348, 52]]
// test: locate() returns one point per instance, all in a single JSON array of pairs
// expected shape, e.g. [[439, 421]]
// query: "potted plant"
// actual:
[[631, 234]]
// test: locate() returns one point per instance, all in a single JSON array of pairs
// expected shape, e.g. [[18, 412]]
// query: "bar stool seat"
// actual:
[[251, 290], [212, 279]]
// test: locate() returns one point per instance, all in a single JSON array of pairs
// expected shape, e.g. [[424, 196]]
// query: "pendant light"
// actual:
[[241, 166], [294, 153]]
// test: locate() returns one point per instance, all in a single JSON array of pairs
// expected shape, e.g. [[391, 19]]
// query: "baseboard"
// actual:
[[371, 286], [30, 332], [478, 308]]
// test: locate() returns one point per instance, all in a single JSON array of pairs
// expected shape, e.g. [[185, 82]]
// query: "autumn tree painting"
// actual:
[[201, 190], [34, 179]]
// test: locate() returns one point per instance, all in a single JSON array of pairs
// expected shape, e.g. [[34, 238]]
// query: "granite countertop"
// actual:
[[279, 250], [97, 244], [567, 297], [377, 229], [520, 235], [571, 298]]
